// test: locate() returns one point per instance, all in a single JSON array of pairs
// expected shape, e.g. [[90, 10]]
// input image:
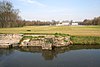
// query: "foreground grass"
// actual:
[[72, 30], [85, 40]]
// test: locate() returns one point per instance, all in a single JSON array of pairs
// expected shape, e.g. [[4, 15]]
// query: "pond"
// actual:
[[72, 56]]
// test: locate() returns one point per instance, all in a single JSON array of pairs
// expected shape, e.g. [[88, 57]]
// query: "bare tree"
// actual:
[[8, 15]]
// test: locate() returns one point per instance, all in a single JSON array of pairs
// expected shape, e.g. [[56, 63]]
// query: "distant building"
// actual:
[[64, 23], [67, 23], [74, 24]]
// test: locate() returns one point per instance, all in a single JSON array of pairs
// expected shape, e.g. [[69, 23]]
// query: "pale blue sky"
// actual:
[[47, 10]]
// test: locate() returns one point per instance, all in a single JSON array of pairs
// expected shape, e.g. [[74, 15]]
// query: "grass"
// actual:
[[25, 37], [72, 30], [60, 34], [85, 40]]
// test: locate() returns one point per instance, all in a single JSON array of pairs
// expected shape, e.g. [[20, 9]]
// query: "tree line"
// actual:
[[39, 23], [95, 21]]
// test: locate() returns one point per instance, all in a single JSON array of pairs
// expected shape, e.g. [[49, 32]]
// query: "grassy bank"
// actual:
[[85, 40], [77, 40], [72, 30]]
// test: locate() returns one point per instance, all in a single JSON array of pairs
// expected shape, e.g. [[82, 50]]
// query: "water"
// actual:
[[73, 56]]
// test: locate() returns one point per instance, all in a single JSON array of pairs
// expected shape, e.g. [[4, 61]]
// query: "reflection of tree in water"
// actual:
[[47, 54], [5, 52]]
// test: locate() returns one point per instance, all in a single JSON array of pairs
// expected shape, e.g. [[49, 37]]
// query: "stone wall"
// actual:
[[9, 40], [44, 41], [47, 41]]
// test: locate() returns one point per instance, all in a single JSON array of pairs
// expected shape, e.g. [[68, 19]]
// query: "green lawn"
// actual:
[[72, 30]]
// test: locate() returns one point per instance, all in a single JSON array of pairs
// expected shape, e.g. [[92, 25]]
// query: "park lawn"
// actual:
[[71, 30]]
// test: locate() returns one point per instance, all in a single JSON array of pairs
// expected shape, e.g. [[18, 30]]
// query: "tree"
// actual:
[[8, 15], [95, 21]]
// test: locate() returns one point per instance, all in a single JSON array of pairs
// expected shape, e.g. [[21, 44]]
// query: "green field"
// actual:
[[72, 30]]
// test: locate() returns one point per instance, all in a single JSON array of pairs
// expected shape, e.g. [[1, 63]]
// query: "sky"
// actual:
[[59, 10]]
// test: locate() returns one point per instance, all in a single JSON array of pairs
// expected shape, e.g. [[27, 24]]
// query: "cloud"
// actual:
[[34, 2]]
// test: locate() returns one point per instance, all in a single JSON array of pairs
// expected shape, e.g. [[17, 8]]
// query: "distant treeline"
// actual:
[[95, 21], [39, 23]]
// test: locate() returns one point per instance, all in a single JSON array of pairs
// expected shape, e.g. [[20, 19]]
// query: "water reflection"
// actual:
[[4, 53], [72, 56], [50, 55], [46, 54]]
